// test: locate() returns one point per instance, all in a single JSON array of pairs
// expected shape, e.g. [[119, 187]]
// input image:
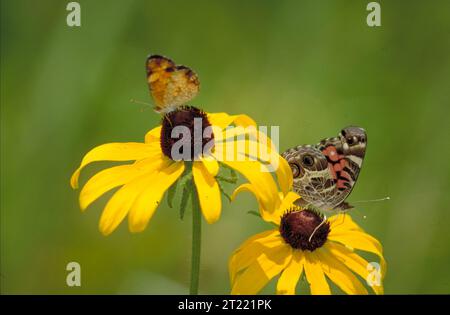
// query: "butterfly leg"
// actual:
[[343, 208], [343, 216]]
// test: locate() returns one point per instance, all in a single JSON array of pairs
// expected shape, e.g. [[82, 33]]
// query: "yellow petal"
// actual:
[[105, 181], [236, 150], [359, 240], [288, 280], [314, 275], [353, 261], [154, 135], [239, 132], [243, 120], [242, 148], [287, 203], [208, 192], [343, 222], [221, 120], [284, 175], [270, 263], [339, 273], [115, 152], [148, 200], [251, 249], [262, 182], [263, 238], [268, 153], [248, 188], [259, 148], [248, 141], [120, 203], [211, 164], [266, 215], [111, 178]]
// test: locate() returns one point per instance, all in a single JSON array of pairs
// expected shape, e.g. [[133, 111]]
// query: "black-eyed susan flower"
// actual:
[[304, 244], [187, 149], [155, 168]]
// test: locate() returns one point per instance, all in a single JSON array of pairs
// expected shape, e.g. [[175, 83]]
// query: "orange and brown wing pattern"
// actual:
[[170, 85], [325, 173]]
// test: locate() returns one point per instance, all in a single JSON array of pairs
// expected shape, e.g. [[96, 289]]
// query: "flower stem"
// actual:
[[196, 241]]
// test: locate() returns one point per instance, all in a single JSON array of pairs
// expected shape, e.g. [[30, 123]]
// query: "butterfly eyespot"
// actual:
[[329, 169], [295, 169], [308, 160]]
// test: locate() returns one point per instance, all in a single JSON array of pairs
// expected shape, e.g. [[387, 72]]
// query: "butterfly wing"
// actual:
[[170, 85], [345, 155], [313, 179], [325, 174]]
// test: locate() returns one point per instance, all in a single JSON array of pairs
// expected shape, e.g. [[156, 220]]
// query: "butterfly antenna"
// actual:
[[373, 200], [166, 117], [146, 105], [317, 228], [366, 201], [359, 213]]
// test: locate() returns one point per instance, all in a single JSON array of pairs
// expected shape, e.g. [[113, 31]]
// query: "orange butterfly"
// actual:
[[171, 86]]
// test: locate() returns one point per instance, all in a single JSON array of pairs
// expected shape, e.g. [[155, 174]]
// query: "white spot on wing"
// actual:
[[355, 159]]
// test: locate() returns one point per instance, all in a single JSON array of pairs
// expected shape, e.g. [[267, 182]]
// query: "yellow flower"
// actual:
[[144, 182], [289, 250]]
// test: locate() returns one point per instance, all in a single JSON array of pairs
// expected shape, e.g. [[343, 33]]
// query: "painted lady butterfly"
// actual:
[[325, 173]]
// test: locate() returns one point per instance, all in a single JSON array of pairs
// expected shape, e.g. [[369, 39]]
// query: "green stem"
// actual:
[[196, 241]]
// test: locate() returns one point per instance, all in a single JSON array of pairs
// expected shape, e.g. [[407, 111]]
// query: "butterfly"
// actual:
[[171, 85], [325, 173]]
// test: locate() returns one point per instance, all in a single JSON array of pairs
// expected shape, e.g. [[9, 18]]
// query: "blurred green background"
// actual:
[[310, 67]]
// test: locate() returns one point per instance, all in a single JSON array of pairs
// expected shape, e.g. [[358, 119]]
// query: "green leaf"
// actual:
[[185, 198], [232, 179], [186, 177], [223, 191], [171, 194], [185, 182], [225, 179], [256, 213], [233, 175]]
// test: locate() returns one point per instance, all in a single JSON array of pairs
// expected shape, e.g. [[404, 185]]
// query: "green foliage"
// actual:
[[187, 189], [255, 213], [171, 194], [310, 67]]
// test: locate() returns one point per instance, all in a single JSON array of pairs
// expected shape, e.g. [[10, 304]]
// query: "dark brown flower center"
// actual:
[[297, 226], [186, 134]]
